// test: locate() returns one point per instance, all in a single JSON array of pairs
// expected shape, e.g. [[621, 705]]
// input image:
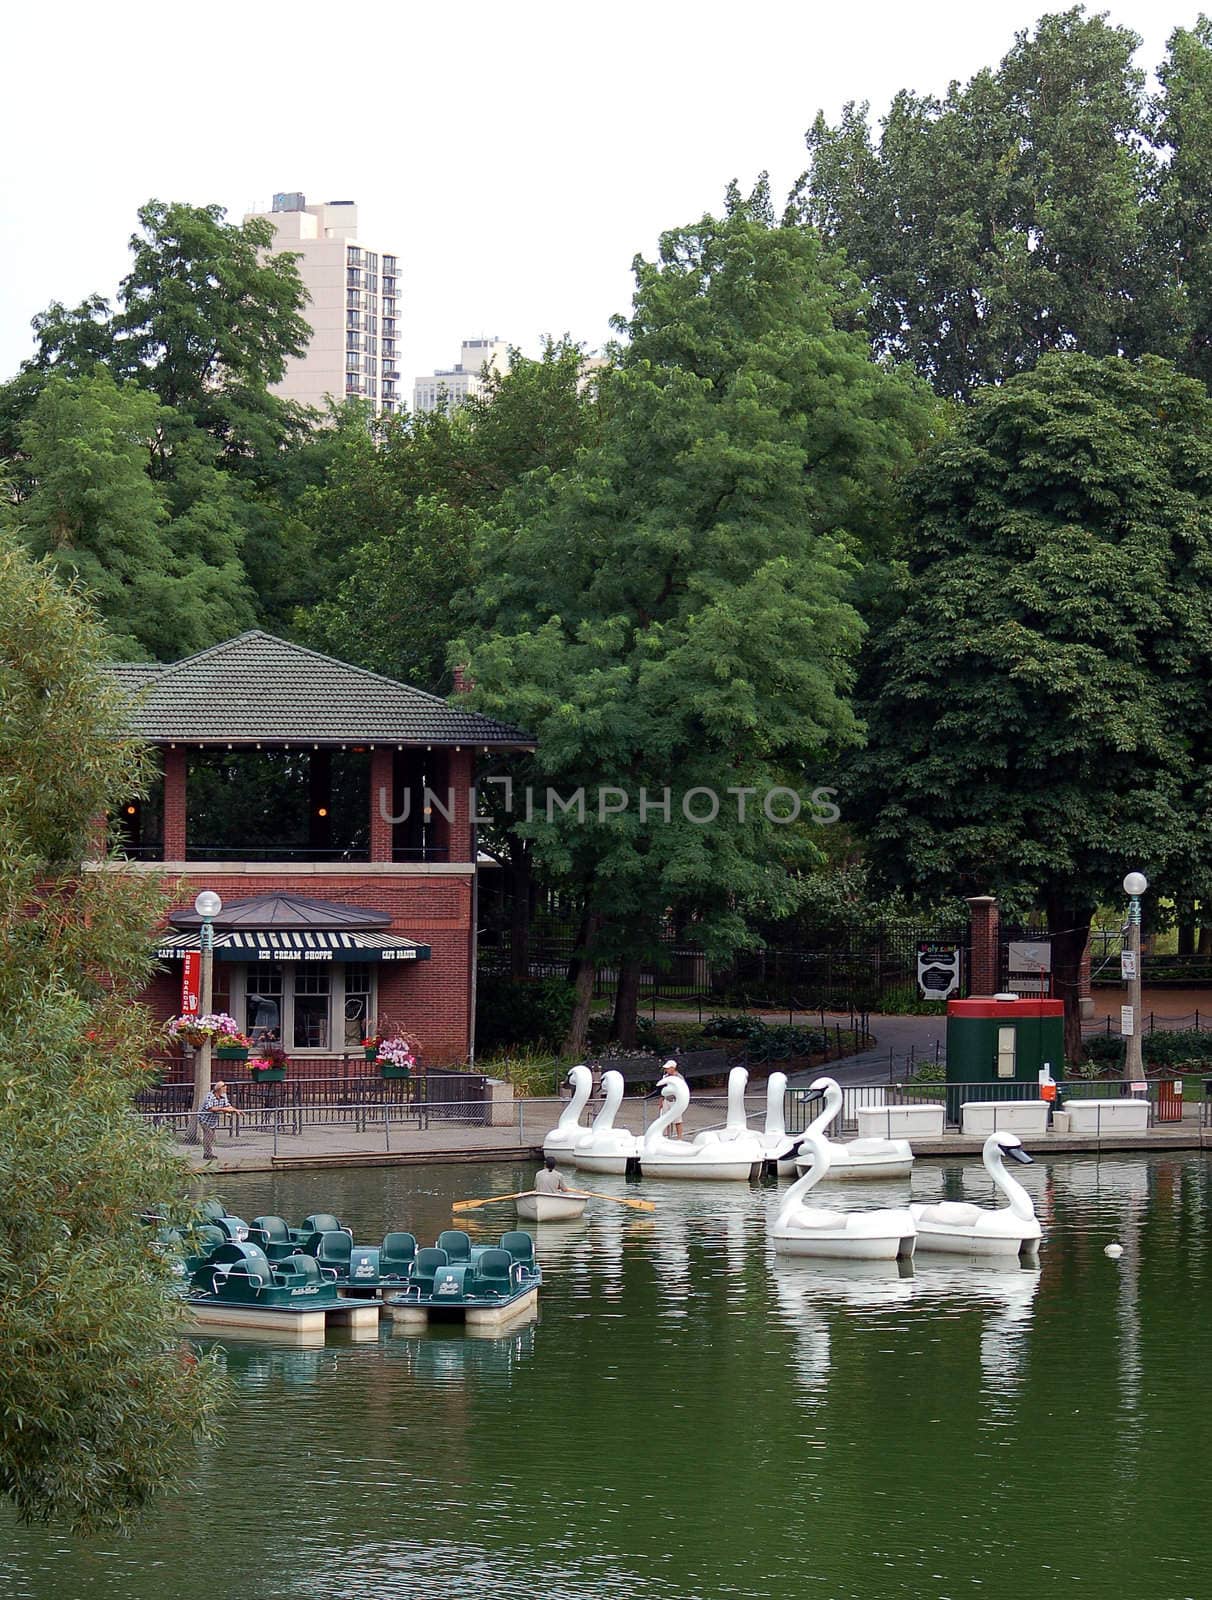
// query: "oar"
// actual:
[[575, 1194], [590, 1194], [472, 1205]]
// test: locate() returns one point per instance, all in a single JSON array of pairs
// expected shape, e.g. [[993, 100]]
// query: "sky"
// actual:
[[515, 156]]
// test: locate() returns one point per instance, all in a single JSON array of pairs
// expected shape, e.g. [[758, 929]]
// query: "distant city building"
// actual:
[[452, 387], [354, 309]]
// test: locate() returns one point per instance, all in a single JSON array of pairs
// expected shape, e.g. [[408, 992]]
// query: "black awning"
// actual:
[[312, 944]]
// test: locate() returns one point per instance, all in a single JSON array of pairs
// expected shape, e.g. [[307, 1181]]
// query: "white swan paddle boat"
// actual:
[[719, 1160], [856, 1158], [1009, 1230], [539, 1207], [606, 1148], [778, 1146], [736, 1132], [801, 1230], [561, 1140]]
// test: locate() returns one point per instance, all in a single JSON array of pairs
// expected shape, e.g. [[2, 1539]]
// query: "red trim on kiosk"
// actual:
[[1021, 1006]]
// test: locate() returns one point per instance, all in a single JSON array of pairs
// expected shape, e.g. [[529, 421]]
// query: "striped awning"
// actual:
[[302, 944]]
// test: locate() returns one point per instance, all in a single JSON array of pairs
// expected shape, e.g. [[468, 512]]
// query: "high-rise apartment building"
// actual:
[[453, 386], [354, 308]]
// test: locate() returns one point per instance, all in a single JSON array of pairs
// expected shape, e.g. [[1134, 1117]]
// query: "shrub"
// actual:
[[527, 1011], [531, 1072]]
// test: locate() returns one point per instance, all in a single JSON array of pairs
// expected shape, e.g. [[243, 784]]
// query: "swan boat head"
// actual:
[[675, 1092]]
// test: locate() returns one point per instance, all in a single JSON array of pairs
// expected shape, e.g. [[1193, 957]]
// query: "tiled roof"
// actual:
[[259, 689]]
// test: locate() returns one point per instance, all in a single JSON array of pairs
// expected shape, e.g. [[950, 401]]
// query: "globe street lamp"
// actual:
[[208, 906], [1135, 885]]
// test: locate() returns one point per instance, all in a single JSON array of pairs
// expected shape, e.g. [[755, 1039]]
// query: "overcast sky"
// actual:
[[515, 155]]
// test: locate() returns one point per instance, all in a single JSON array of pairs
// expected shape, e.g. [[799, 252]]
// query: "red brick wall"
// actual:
[[430, 998], [985, 968]]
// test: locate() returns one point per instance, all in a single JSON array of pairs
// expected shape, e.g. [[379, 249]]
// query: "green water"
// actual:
[[689, 1422]]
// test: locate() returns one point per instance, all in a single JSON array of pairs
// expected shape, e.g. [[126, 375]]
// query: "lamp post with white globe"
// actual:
[[1135, 885], [208, 906]]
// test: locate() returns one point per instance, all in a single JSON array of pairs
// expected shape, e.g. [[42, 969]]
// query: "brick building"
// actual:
[[332, 810]]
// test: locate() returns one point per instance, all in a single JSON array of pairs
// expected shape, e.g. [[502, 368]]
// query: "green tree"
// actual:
[[1035, 697], [394, 522], [1009, 218], [672, 611], [207, 319], [1182, 211], [161, 559], [99, 1399]]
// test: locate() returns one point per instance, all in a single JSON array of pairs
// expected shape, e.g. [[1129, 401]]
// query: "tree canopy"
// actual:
[[1050, 203], [673, 610], [1035, 695]]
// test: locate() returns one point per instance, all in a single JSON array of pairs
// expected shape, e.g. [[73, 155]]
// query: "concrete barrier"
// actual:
[[1004, 1116]]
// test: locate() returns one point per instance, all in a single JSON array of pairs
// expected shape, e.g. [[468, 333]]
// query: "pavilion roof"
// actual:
[[258, 689]]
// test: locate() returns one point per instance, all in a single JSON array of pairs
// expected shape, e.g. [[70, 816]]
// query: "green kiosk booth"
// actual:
[[998, 1044]]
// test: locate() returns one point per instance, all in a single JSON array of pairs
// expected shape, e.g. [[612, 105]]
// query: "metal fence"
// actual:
[[445, 1094], [872, 965], [277, 1124]]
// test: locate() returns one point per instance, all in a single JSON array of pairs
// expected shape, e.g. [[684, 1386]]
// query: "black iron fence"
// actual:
[[449, 1094], [875, 966]]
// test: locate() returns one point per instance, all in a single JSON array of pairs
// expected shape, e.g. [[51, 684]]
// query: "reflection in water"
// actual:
[[810, 1293], [688, 1420]]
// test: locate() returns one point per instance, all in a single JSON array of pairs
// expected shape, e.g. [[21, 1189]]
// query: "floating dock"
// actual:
[[306, 1324], [482, 1314]]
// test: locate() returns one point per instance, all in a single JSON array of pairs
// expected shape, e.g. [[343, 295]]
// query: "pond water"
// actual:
[[689, 1421]]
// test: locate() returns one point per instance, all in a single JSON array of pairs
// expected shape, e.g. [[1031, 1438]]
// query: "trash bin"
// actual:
[[1170, 1099]]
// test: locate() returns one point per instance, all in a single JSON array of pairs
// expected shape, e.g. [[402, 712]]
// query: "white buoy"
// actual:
[[1114, 1251]]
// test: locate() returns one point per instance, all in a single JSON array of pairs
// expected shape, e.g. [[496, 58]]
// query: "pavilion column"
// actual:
[[1084, 995], [174, 805], [984, 968], [460, 769], [382, 803]]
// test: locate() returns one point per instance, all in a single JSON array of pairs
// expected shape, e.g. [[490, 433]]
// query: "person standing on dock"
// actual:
[[215, 1105], [550, 1180]]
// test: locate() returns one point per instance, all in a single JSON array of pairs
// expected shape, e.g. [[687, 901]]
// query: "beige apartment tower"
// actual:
[[354, 308]]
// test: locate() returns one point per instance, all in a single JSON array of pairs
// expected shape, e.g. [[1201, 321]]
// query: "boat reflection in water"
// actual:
[[812, 1295]]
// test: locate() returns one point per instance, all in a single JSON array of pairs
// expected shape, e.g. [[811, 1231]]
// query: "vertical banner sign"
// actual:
[[938, 970], [191, 982]]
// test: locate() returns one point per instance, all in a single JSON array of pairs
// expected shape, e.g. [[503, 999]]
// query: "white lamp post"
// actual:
[[1135, 885], [208, 906]]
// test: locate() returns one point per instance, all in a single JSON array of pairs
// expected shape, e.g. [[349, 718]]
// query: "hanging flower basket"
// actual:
[[395, 1058], [222, 1030]]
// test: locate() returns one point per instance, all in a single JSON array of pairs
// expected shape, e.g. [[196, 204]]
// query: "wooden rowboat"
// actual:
[[536, 1207]]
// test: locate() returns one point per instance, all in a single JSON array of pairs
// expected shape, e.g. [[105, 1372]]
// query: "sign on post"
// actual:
[[938, 970], [1127, 963], [191, 982], [1127, 1022]]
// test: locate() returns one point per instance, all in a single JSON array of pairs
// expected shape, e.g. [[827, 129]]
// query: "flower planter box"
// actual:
[[370, 1052], [231, 1052], [388, 1069], [268, 1074]]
